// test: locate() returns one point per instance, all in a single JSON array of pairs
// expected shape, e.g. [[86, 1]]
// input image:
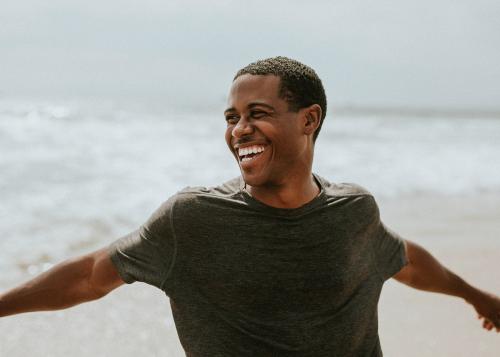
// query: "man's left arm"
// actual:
[[424, 272]]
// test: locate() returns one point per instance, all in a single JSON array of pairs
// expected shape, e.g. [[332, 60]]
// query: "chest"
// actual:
[[274, 265]]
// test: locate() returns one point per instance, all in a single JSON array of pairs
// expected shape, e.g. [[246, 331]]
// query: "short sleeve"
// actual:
[[147, 254], [388, 249]]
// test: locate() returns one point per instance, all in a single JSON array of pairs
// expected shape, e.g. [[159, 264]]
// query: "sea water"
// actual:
[[73, 178]]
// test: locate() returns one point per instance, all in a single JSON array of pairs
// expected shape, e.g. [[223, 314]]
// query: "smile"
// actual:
[[250, 152]]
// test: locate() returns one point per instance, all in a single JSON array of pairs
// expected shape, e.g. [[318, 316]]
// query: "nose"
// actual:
[[242, 127]]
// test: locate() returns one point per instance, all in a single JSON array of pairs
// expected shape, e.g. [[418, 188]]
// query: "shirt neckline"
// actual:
[[289, 212]]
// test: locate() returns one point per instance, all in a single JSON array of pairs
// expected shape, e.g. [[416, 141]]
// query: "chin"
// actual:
[[256, 180], [253, 180]]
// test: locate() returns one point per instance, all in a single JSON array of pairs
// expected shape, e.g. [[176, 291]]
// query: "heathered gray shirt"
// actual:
[[248, 279]]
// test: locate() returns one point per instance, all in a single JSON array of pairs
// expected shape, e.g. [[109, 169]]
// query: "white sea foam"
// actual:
[[72, 179]]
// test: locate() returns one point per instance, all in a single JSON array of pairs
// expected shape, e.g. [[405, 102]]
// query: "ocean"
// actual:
[[73, 177]]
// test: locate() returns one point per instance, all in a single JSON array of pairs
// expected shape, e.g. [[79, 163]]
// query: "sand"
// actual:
[[464, 235], [135, 320]]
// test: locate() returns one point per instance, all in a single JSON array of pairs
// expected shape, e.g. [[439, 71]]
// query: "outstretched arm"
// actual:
[[68, 283], [424, 272]]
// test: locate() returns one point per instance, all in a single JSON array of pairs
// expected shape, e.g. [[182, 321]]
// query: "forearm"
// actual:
[[62, 286], [427, 273]]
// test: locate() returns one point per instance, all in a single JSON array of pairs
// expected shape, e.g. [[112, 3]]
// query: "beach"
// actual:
[[462, 232], [74, 178], [109, 109]]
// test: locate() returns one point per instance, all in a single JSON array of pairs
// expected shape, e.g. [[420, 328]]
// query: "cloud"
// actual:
[[427, 53]]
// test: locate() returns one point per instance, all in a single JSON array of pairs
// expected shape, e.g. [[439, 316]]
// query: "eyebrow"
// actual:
[[251, 106]]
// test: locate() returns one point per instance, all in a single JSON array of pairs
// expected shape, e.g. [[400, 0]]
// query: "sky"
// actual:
[[183, 54]]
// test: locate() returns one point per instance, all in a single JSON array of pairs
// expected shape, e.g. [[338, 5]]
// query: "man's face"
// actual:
[[266, 138]]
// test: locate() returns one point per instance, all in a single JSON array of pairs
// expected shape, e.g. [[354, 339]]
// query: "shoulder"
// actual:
[[353, 189], [194, 198], [198, 194], [191, 200], [343, 188], [225, 189], [357, 195]]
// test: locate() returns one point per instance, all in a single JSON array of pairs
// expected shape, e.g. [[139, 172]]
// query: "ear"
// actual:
[[312, 118]]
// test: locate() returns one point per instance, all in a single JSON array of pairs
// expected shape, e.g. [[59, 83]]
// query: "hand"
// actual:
[[487, 307]]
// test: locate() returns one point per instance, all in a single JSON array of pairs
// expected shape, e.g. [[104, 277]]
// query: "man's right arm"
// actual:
[[71, 282]]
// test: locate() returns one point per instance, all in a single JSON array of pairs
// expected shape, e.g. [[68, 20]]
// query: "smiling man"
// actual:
[[276, 262], [274, 145]]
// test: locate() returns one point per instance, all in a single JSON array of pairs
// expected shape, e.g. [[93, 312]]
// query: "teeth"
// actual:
[[250, 150]]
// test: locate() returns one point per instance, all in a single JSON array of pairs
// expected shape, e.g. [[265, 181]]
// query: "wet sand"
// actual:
[[135, 320], [464, 235]]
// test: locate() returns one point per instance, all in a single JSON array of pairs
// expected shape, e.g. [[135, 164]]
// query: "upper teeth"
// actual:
[[250, 150]]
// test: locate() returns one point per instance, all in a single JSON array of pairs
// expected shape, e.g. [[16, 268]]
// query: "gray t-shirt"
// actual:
[[248, 279]]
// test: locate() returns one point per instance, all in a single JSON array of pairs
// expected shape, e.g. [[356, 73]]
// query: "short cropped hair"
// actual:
[[300, 86]]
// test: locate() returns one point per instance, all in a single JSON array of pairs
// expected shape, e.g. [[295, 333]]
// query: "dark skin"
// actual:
[[257, 115], [283, 178], [280, 177]]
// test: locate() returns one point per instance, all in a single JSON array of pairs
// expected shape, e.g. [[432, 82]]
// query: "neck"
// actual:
[[296, 191]]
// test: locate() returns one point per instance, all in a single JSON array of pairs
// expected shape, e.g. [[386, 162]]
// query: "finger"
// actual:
[[487, 324], [495, 320]]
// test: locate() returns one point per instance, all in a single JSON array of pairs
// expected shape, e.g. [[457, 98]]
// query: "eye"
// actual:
[[258, 114], [232, 119]]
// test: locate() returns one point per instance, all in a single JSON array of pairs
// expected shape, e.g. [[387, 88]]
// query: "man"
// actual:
[[277, 262]]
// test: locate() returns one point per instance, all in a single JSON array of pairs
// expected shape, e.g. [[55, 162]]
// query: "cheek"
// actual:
[[288, 147], [228, 136]]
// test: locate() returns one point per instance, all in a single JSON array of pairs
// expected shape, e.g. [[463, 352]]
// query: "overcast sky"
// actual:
[[439, 53]]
